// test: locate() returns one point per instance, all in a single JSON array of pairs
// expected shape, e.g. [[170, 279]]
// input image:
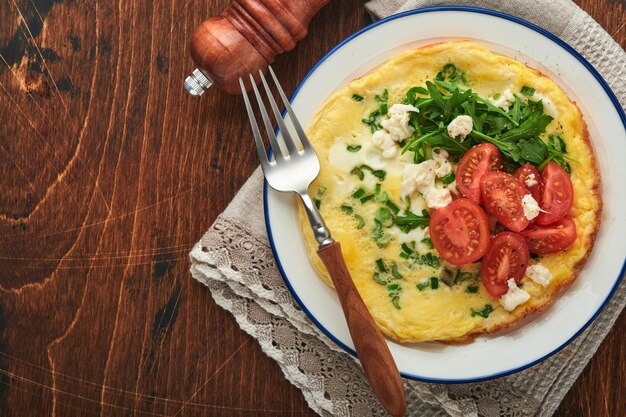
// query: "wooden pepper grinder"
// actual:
[[246, 37]]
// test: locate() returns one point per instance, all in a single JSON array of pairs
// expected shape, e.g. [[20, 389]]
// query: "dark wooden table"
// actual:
[[109, 173]]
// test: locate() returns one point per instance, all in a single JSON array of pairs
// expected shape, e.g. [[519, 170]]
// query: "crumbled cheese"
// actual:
[[530, 180], [437, 197], [548, 105], [384, 141], [397, 123], [531, 207], [442, 165], [514, 296], [395, 128], [539, 273], [421, 177], [504, 100], [460, 126]]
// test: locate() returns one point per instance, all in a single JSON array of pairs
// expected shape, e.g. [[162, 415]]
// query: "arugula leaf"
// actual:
[[534, 125], [532, 150], [409, 221]]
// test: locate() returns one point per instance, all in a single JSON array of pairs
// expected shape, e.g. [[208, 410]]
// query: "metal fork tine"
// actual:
[[258, 139], [277, 150], [294, 120], [291, 146]]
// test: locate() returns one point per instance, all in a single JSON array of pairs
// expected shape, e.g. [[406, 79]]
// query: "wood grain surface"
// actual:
[[109, 173]]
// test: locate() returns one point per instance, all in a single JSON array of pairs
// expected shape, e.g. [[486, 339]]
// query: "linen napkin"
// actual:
[[234, 260]]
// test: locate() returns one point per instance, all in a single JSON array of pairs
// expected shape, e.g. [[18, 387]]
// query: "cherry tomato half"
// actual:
[[558, 194], [502, 198], [460, 231], [506, 258], [528, 174], [476, 162], [552, 238]]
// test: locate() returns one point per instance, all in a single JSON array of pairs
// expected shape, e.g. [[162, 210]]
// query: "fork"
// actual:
[[292, 170]]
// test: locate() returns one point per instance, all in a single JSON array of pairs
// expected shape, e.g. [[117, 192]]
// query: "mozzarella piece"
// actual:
[[384, 141], [531, 207], [460, 126], [539, 273], [504, 100], [397, 123], [548, 105], [421, 178], [530, 180], [514, 296], [442, 165]]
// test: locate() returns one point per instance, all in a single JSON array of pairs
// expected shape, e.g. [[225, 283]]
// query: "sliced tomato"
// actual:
[[552, 238], [502, 198], [506, 258], [460, 231], [476, 162], [528, 174], [558, 194]]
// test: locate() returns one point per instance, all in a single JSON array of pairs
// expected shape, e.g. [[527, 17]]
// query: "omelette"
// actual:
[[395, 146]]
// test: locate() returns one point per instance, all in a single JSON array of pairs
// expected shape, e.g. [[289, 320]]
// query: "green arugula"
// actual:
[[409, 221]]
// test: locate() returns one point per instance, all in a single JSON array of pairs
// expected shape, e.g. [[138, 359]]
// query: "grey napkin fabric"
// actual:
[[234, 260]]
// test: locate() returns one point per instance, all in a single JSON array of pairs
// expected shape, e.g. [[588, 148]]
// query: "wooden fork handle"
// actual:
[[380, 369]]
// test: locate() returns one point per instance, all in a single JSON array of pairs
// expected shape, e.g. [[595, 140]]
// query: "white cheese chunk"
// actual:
[[531, 207], [460, 126], [442, 165], [395, 128], [504, 100], [384, 141], [397, 123], [514, 296], [437, 197], [421, 178], [539, 273], [548, 105], [530, 180]]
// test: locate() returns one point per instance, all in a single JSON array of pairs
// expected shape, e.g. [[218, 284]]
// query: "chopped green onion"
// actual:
[[347, 209], [318, 203], [384, 216], [428, 242], [394, 293], [353, 148], [484, 313], [382, 197], [381, 265], [358, 193], [423, 285], [321, 190], [357, 171], [357, 97], [404, 255], [380, 174], [434, 283], [528, 91], [360, 221], [377, 188], [407, 249], [447, 179], [472, 289], [395, 273], [392, 206], [378, 279], [367, 198]]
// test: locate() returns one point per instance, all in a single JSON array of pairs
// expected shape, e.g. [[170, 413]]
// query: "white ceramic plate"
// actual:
[[540, 335]]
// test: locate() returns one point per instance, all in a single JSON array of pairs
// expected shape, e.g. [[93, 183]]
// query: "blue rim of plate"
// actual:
[[495, 13]]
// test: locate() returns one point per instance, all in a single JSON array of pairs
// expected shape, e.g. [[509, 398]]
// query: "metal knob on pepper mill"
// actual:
[[244, 39]]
